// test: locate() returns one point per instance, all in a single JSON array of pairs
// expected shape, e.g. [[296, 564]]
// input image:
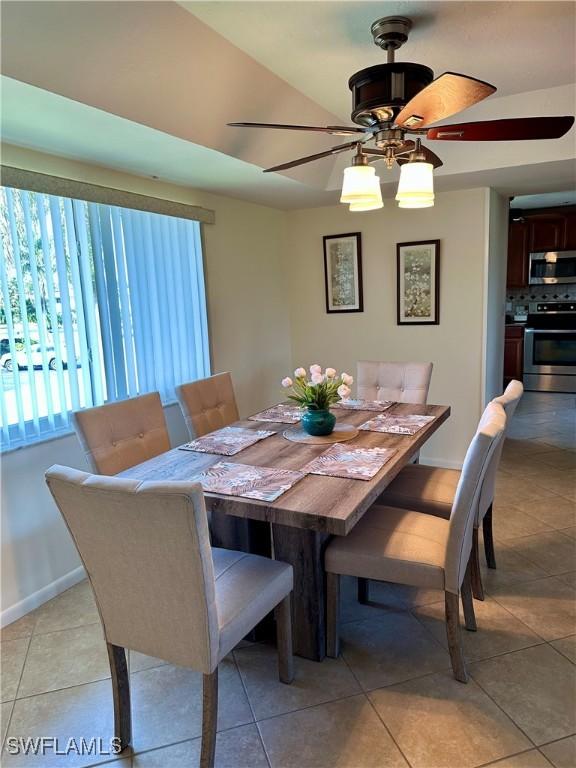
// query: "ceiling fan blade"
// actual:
[[310, 158], [430, 156], [448, 94], [513, 129], [336, 130]]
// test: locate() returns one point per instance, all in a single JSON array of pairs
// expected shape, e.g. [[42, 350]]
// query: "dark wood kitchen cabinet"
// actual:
[[513, 353], [542, 229], [518, 250], [547, 231]]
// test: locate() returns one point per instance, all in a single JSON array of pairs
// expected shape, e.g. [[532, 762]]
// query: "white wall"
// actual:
[[459, 221], [249, 336], [495, 292]]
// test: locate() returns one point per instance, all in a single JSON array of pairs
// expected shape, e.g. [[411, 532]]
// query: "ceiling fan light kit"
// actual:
[[398, 98]]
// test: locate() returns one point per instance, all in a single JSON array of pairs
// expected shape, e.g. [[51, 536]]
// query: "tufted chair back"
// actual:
[[146, 550], [401, 382], [208, 404], [484, 445], [120, 435]]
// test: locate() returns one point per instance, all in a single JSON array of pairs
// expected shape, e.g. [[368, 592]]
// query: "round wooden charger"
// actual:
[[342, 432]]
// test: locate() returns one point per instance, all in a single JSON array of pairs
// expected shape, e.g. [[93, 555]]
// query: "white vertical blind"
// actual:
[[97, 303]]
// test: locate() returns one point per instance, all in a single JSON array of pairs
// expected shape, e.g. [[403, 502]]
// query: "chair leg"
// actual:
[[488, 538], [467, 601], [121, 694], [475, 573], [454, 639], [333, 614], [283, 614], [209, 719], [363, 591]]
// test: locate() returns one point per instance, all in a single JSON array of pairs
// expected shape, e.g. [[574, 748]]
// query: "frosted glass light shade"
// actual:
[[360, 184], [367, 205], [416, 186]]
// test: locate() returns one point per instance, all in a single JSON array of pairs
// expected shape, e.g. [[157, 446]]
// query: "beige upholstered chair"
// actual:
[[161, 589], [432, 489], [408, 547], [120, 435], [401, 382], [208, 404]]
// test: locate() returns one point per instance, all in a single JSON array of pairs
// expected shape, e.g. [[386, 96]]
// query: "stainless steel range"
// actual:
[[550, 347]]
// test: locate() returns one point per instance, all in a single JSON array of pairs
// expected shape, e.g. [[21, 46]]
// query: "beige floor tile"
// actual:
[[139, 661], [383, 596], [346, 733], [566, 646], [563, 482], [21, 628], [313, 683], [61, 659], [513, 522], [390, 649], [562, 754], [512, 568], [236, 748], [547, 606], [510, 490], [557, 458], [556, 512], [531, 759], [5, 713], [565, 442], [514, 447], [536, 687], [12, 656], [568, 578], [552, 551], [440, 723], [167, 704], [73, 608], [82, 711], [498, 631]]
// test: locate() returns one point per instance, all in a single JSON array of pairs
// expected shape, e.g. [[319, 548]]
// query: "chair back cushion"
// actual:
[[508, 400], [485, 442], [401, 382], [146, 551], [120, 435], [208, 404]]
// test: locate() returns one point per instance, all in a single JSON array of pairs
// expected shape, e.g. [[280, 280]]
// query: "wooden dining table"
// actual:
[[296, 527]]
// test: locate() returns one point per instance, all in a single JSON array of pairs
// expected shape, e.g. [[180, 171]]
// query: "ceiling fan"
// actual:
[[396, 99]]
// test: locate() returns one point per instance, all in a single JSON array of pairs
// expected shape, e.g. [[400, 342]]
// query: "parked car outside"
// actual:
[[7, 363]]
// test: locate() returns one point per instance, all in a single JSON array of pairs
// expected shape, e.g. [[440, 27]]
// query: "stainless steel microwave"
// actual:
[[551, 267]]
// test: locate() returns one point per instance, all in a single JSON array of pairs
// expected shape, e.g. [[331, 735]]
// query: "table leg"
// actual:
[[304, 550]]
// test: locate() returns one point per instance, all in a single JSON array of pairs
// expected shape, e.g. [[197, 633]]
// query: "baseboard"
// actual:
[[446, 463], [36, 599]]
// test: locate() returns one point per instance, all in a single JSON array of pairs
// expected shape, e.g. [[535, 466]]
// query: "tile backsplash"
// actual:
[[522, 297]]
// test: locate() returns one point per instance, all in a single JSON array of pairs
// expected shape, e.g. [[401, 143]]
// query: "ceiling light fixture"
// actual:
[[416, 185]]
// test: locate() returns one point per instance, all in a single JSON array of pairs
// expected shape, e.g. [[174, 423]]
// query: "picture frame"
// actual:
[[343, 273], [418, 283]]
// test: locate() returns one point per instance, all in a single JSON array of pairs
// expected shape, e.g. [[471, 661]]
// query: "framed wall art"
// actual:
[[418, 283], [343, 272]]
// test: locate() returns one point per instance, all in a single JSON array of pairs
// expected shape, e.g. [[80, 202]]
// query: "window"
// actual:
[[97, 303]]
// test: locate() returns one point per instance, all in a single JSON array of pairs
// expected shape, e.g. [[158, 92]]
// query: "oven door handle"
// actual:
[[550, 330]]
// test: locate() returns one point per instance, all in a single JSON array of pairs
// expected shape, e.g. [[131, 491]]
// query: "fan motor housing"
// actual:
[[380, 92]]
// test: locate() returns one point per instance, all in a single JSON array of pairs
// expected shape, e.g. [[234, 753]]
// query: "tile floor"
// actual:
[[390, 700]]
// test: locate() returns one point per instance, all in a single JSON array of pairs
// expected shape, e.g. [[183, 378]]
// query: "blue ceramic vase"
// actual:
[[318, 423]]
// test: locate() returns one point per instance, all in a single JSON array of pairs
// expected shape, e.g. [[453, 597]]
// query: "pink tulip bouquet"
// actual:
[[319, 391]]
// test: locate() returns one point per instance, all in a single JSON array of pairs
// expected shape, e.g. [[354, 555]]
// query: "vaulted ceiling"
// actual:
[[148, 87]]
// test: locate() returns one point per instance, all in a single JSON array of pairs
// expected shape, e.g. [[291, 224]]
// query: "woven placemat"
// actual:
[[342, 432]]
